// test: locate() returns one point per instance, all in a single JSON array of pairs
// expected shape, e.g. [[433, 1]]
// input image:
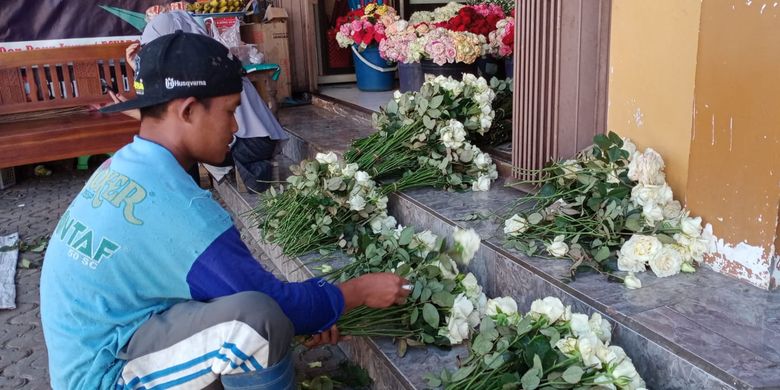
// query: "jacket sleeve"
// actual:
[[226, 267]]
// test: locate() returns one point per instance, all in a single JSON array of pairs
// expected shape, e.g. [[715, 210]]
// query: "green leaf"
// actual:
[[435, 113], [633, 223], [431, 315], [463, 373], [406, 236], [25, 263], [436, 101], [392, 107], [482, 345], [428, 122], [495, 360], [573, 374], [665, 239], [40, 247], [443, 299], [614, 154], [418, 287], [426, 294], [535, 218], [401, 348], [615, 139], [414, 316], [602, 141], [553, 334], [433, 380], [601, 254], [530, 380]]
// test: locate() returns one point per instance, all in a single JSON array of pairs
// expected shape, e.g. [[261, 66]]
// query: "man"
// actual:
[[146, 282]]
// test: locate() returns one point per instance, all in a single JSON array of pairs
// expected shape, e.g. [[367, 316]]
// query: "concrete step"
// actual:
[[692, 331]]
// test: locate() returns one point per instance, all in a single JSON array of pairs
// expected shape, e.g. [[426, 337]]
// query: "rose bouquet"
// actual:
[[323, 199], [478, 19], [365, 27], [440, 14], [502, 40], [426, 134], [609, 209], [444, 305], [549, 347], [508, 6]]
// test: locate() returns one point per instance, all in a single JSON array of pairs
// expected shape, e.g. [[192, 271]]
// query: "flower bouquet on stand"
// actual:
[[362, 31], [609, 209]]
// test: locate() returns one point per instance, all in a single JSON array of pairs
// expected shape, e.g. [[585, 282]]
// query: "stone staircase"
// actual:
[[691, 331]]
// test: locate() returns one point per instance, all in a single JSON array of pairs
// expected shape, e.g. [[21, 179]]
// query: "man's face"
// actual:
[[214, 125]]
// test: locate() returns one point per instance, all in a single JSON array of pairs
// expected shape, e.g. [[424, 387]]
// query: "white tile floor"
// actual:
[[350, 93]]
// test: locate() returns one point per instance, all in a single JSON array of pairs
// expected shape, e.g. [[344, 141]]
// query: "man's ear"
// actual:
[[184, 108]]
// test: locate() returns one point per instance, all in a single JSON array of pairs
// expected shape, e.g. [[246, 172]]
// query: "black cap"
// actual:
[[182, 65]]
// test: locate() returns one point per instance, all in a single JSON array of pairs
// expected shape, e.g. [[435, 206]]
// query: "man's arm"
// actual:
[[313, 306]]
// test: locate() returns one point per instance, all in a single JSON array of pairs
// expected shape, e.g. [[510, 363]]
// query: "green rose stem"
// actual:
[[389, 322]]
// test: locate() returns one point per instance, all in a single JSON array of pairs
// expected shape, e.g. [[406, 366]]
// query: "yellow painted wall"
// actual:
[[734, 172], [652, 71]]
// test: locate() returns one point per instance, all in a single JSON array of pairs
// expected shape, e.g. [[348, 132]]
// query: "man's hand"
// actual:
[[330, 336], [377, 290], [130, 53], [135, 113]]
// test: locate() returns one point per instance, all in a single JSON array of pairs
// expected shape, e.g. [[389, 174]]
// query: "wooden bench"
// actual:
[[44, 103]]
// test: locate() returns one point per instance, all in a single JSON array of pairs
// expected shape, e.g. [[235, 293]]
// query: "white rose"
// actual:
[[579, 325], [362, 178], [480, 303], [485, 122], [645, 194], [600, 327], [350, 170], [426, 242], [482, 160], [588, 345], [691, 226], [604, 382], [481, 184], [653, 213], [382, 222], [448, 273], [557, 247], [566, 316], [570, 169], [515, 225], [466, 244], [326, 158], [471, 286], [637, 252], [626, 370], [357, 203], [611, 355], [466, 154], [462, 306], [505, 305], [550, 307], [667, 263], [672, 210], [397, 95], [567, 346], [457, 330], [629, 147], [632, 282], [647, 167]]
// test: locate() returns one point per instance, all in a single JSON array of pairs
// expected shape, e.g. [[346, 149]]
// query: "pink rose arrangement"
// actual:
[[502, 40], [366, 26]]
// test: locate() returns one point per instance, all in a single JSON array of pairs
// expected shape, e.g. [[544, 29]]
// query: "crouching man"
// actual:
[[146, 282]]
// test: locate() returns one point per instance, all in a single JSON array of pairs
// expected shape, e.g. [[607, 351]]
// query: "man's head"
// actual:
[[188, 87]]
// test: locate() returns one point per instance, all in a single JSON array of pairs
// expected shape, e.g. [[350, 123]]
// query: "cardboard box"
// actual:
[[272, 40]]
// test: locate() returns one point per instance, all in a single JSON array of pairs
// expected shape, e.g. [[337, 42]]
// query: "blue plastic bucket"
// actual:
[[373, 72]]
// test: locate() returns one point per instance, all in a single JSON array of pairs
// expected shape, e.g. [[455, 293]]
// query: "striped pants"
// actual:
[[238, 341]]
